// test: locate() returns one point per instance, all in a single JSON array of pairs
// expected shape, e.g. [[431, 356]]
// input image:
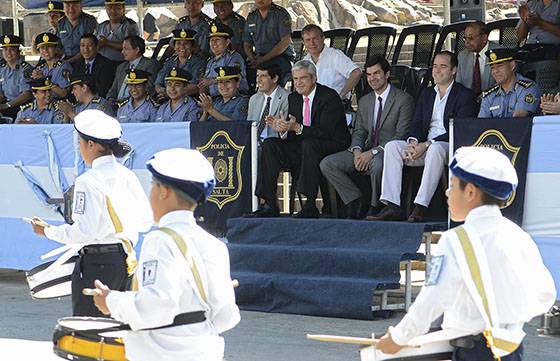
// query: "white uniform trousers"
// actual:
[[434, 160]]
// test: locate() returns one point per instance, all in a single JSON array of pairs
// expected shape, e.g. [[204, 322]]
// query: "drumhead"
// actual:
[[70, 324], [52, 283]]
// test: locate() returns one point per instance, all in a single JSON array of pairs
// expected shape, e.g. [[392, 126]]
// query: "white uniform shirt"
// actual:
[[437, 126], [92, 221], [523, 287], [333, 68], [166, 288]]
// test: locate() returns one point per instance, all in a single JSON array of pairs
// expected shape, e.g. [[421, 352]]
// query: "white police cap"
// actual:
[[488, 169], [97, 125], [185, 169]]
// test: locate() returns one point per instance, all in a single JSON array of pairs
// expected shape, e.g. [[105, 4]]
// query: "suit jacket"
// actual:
[[150, 65], [328, 120], [461, 103], [103, 71], [277, 105], [465, 71], [395, 118]]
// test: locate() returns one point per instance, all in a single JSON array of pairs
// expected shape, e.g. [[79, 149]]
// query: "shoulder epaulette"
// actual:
[[252, 12], [171, 58], [152, 101], [276, 7], [3, 63], [58, 63], [183, 19], [490, 91], [206, 18], [25, 106], [122, 102], [88, 15], [129, 20], [525, 83], [25, 65], [238, 16], [96, 100]]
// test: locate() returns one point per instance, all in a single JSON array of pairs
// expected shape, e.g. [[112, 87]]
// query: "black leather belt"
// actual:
[[101, 248], [467, 341]]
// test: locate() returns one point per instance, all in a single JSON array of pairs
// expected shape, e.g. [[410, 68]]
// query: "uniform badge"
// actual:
[[183, 34], [45, 38], [6, 39], [214, 29], [149, 271], [132, 75], [434, 269], [222, 72], [493, 56], [50, 6], [79, 203], [495, 107], [173, 72], [529, 98]]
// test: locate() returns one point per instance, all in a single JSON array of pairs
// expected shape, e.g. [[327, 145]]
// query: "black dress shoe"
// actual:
[[308, 212], [373, 211], [418, 214], [264, 212], [390, 213]]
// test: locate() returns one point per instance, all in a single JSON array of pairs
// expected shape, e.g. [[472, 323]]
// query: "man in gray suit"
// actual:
[[133, 53], [383, 115], [473, 72], [270, 100]]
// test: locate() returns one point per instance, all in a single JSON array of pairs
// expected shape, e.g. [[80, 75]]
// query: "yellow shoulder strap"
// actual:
[[185, 251], [131, 262]]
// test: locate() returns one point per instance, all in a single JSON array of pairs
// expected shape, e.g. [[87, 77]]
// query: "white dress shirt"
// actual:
[[265, 131], [92, 221], [333, 68], [437, 126], [383, 96], [169, 289], [123, 91], [481, 62], [523, 287]]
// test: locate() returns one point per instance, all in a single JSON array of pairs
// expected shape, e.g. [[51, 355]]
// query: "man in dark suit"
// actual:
[[314, 128], [428, 142], [383, 115], [95, 64]]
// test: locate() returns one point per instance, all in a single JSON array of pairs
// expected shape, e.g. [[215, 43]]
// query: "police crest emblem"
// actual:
[[225, 156]]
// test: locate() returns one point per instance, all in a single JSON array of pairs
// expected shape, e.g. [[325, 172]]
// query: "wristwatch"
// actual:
[[375, 151], [429, 142]]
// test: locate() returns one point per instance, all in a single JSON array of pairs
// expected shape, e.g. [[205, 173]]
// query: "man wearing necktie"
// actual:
[[473, 72], [383, 115], [93, 63], [314, 127]]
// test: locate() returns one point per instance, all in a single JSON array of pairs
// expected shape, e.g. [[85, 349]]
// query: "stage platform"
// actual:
[[319, 267]]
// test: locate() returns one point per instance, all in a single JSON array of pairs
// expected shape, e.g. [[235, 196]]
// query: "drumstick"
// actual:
[[343, 339], [235, 283], [91, 292], [35, 221]]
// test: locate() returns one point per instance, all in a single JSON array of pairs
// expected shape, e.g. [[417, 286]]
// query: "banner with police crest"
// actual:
[[228, 148], [510, 136]]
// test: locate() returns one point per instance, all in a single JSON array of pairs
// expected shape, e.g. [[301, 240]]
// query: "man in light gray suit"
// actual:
[[133, 53], [270, 100], [473, 72], [383, 115]]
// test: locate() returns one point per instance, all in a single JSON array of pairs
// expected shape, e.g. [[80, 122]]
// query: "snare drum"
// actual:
[[55, 283], [88, 338]]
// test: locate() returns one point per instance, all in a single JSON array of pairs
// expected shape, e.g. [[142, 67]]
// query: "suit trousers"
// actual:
[[109, 268], [337, 168], [301, 156], [434, 160], [480, 352]]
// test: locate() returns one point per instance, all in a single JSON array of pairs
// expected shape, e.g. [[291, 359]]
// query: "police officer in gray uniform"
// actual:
[[58, 70], [198, 21], [268, 31], [42, 110], [229, 105], [180, 107], [220, 35], [85, 92], [14, 72], [138, 107], [184, 58], [112, 32], [225, 15], [513, 95], [71, 28]]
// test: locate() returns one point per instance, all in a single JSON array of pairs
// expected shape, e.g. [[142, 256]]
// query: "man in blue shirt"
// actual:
[[513, 95], [180, 107], [71, 28]]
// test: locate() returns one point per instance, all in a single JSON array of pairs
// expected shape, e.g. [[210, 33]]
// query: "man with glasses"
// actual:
[[473, 72]]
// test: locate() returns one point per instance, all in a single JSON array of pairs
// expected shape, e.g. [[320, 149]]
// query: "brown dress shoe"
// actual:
[[418, 214], [390, 213]]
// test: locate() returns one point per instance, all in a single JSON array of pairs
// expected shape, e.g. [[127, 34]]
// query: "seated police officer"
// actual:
[[220, 35], [180, 107], [229, 105], [14, 71], [42, 110], [513, 95], [139, 107], [85, 92], [184, 58], [58, 70]]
